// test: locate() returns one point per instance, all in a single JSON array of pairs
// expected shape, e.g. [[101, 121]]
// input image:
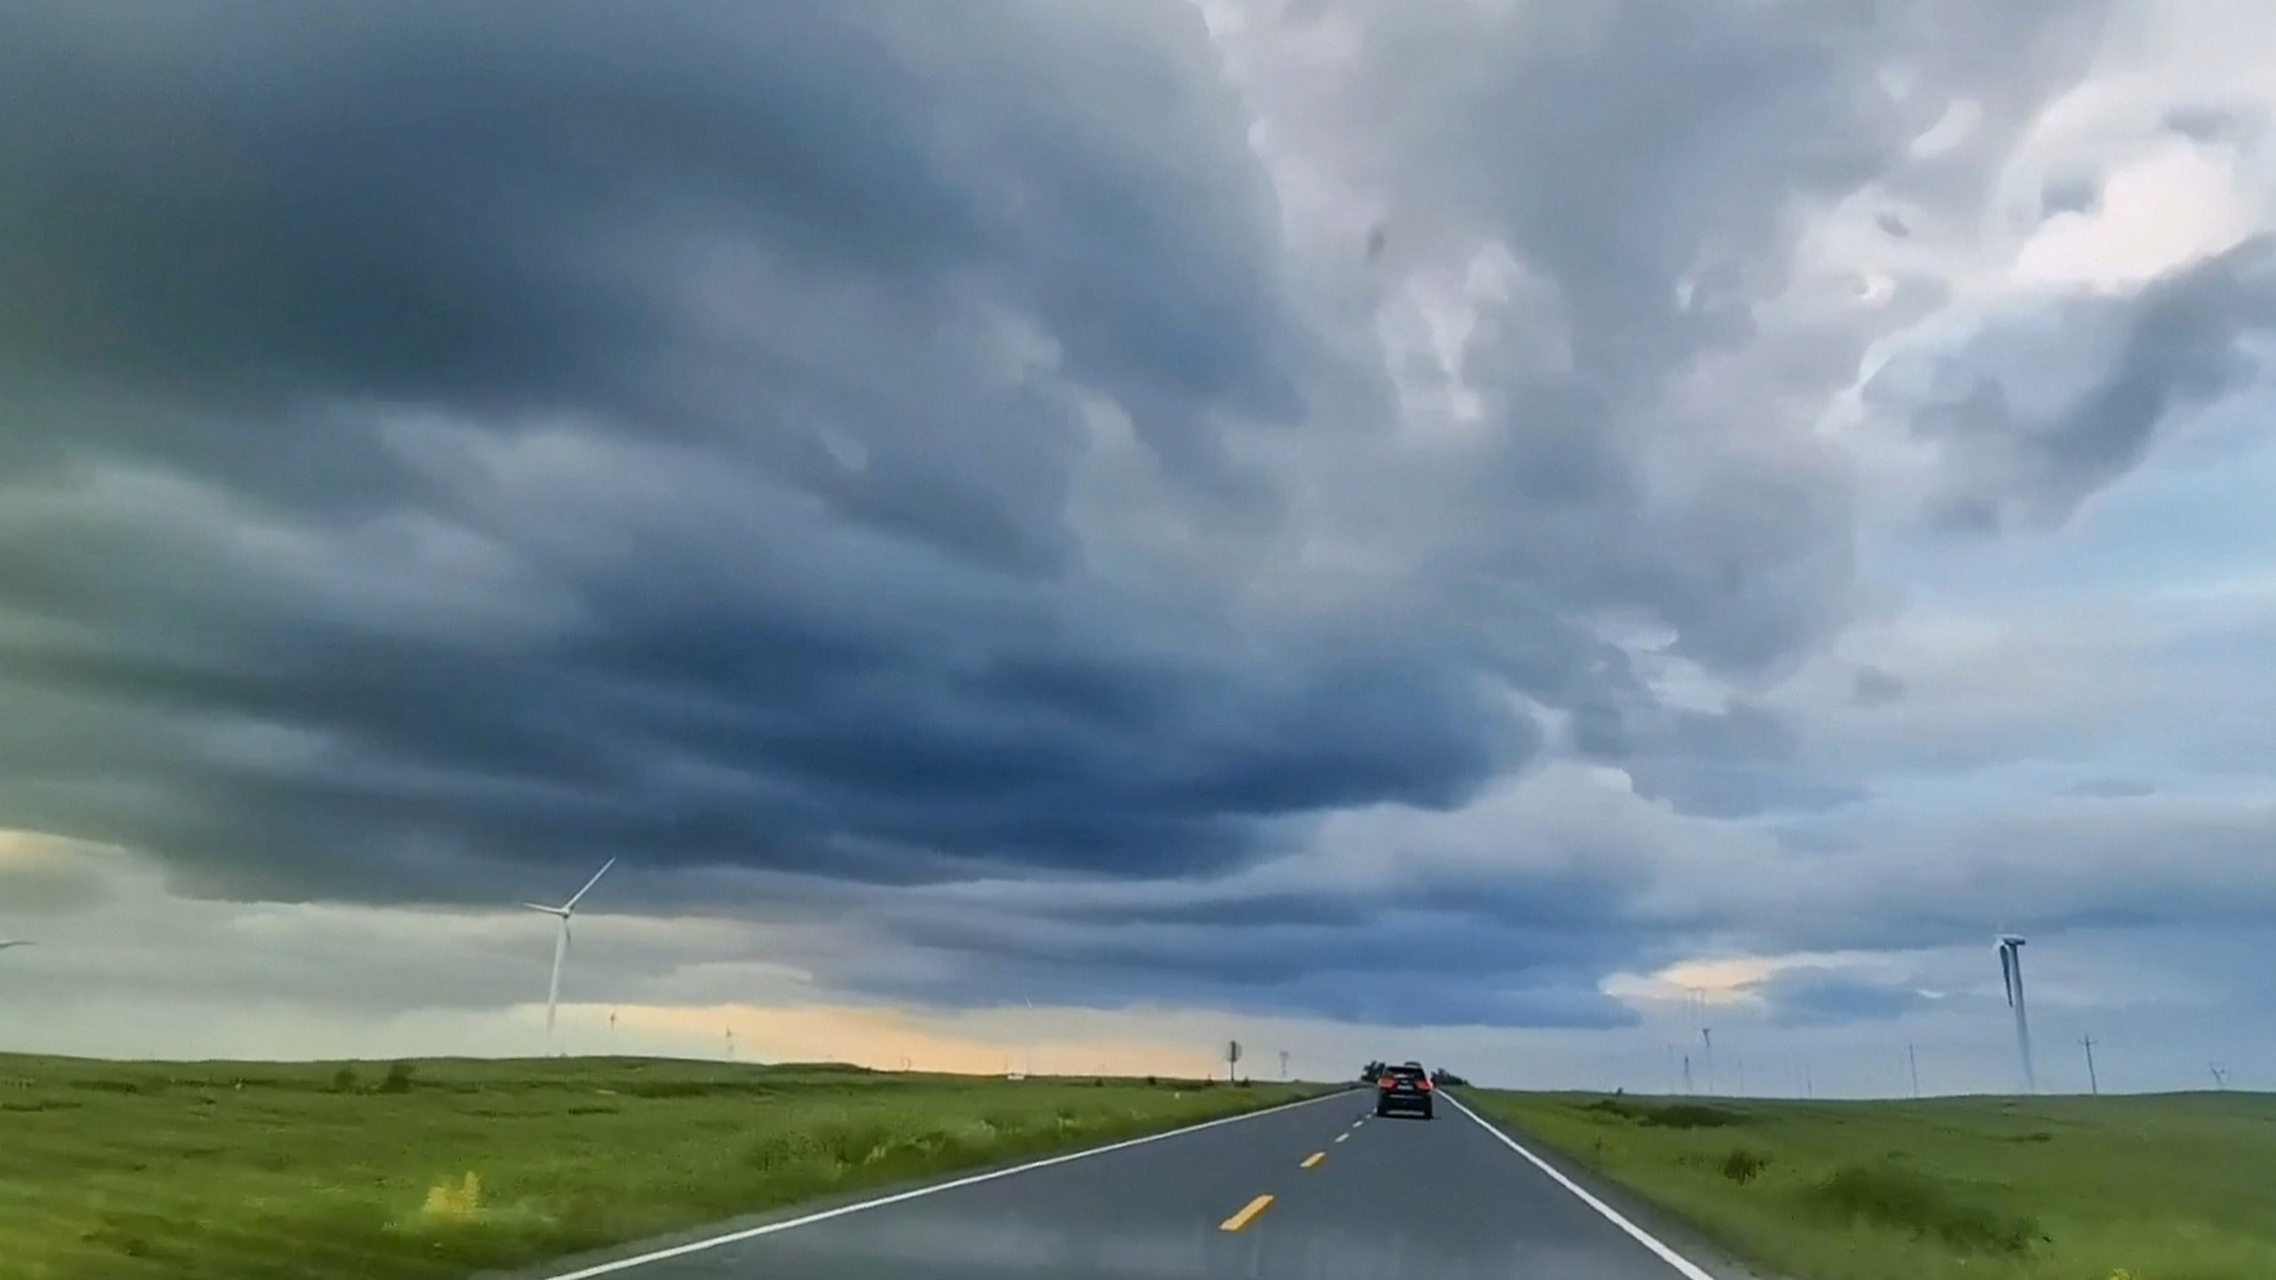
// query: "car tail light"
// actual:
[[1383, 1082], [1425, 1083]]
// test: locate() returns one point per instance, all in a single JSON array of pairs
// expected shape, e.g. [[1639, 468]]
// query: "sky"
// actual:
[[1055, 535]]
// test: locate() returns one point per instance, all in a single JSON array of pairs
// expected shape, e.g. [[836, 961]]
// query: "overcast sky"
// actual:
[[1057, 534]]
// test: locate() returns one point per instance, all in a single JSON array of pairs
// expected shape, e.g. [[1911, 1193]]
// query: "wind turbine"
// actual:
[[2011, 972], [561, 942]]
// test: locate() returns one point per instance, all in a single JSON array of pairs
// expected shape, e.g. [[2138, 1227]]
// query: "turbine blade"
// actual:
[[551, 911], [571, 905]]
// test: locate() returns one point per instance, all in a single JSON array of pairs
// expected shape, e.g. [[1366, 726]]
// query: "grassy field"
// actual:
[[2181, 1187], [240, 1171]]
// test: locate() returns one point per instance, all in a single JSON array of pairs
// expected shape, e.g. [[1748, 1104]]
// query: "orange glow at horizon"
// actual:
[[886, 1039]]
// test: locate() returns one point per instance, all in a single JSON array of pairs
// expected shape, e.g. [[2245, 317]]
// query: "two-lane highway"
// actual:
[[1321, 1190]]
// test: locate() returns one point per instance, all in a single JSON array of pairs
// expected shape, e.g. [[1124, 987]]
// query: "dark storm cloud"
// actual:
[[2175, 344], [1647, 165], [1396, 965], [222, 223], [447, 444], [1735, 763], [1809, 997], [576, 434]]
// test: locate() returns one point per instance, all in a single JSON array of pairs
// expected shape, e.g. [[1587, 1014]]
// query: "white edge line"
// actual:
[[768, 1229], [1684, 1266]]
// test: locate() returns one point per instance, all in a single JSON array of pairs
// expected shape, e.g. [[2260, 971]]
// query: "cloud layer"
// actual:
[[1384, 513]]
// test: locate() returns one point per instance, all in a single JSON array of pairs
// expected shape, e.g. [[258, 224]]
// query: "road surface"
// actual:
[[1317, 1191]]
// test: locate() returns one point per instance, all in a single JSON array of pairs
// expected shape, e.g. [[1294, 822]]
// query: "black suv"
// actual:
[[1406, 1089]]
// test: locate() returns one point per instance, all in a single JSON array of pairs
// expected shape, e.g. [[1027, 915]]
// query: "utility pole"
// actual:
[[1706, 1034], [2093, 1081], [1912, 1063]]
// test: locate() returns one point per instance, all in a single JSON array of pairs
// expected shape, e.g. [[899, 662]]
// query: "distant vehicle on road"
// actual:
[[1404, 1089]]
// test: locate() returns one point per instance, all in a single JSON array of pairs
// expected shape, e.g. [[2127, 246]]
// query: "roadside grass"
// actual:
[[2173, 1187], [377, 1171]]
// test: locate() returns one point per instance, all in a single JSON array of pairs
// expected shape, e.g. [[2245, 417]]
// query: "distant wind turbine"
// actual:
[[561, 942], [2011, 972]]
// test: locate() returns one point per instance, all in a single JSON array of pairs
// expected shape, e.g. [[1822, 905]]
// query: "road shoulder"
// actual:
[[1675, 1232]]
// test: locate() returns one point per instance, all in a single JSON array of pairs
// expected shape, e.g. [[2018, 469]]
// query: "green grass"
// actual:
[[2178, 1187], [242, 1171]]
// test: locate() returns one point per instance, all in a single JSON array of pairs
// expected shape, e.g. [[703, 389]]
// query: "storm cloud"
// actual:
[[1051, 489]]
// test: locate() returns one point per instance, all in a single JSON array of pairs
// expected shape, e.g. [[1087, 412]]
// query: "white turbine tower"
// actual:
[[561, 942], [2011, 972]]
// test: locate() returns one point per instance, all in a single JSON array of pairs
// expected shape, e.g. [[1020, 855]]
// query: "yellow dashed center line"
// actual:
[[1247, 1214], [1314, 1158]]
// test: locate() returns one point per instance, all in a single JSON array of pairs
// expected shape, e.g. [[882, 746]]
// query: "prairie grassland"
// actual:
[[378, 1171], [2175, 1187]]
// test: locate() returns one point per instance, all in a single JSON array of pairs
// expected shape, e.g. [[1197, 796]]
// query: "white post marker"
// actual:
[[1684, 1267], [918, 1193]]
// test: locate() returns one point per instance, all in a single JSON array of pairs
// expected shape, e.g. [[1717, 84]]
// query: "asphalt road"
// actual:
[[1351, 1197]]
